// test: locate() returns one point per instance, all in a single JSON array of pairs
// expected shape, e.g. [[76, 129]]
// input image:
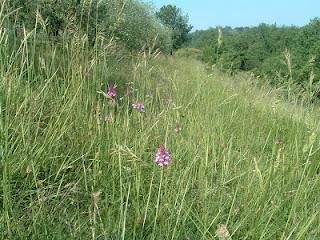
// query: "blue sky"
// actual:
[[210, 13]]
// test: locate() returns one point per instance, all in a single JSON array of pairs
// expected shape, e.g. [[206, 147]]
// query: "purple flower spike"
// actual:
[[277, 142], [112, 91], [163, 157], [139, 106]]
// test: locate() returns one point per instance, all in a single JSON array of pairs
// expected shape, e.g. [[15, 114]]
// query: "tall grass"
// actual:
[[245, 162]]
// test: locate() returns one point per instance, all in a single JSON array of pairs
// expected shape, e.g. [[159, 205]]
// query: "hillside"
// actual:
[[244, 158], [105, 133]]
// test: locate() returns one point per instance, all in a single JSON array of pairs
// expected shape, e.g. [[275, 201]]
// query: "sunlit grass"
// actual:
[[79, 164]]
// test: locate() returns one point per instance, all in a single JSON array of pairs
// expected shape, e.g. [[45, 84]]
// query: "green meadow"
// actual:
[[77, 163]]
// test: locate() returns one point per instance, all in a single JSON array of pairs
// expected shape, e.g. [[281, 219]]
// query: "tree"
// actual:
[[171, 17]]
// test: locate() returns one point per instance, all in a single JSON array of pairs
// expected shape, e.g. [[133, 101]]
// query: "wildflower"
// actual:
[[178, 128], [139, 106], [169, 101], [223, 233], [40, 183], [108, 118], [112, 91], [163, 157], [29, 169], [96, 197], [277, 142]]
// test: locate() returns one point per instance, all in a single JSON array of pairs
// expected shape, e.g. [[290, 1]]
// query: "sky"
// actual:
[[239, 13]]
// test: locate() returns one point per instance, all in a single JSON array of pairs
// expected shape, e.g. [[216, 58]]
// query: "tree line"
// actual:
[[282, 54]]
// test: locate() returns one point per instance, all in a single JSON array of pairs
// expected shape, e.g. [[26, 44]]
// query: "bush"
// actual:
[[131, 23]]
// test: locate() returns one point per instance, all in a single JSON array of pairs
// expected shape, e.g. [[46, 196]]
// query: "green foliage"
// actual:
[[261, 50], [139, 28], [172, 17], [130, 22]]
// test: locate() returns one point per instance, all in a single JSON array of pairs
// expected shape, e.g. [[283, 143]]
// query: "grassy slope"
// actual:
[[226, 166]]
